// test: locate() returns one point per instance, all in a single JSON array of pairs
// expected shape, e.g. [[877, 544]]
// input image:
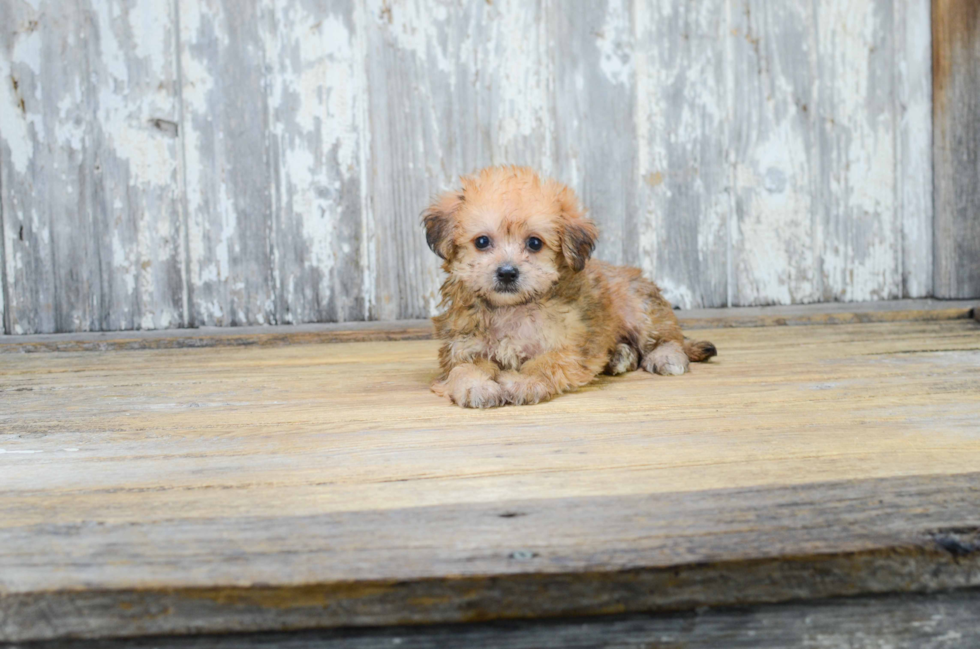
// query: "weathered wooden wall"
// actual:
[[956, 51], [226, 162]]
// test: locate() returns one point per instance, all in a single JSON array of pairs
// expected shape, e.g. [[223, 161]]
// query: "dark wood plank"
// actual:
[[956, 135], [936, 621], [473, 562]]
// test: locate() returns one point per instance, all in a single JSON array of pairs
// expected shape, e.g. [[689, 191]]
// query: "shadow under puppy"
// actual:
[[528, 314]]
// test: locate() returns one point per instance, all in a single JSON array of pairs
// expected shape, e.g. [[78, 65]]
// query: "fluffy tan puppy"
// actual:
[[528, 315]]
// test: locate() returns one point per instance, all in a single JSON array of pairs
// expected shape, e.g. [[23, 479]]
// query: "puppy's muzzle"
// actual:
[[507, 276]]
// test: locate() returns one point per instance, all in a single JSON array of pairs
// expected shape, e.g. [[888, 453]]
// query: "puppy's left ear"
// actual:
[[439, 220], [579, 233]]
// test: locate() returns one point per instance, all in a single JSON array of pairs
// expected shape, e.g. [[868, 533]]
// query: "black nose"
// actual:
[[507, 274]]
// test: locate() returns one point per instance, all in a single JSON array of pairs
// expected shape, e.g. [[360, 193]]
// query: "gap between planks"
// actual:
[[273, 336]]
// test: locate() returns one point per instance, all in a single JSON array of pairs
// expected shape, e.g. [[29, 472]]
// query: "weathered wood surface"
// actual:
[[208, 162], [272, 336], [89, 156], [956, 60], [937, 621], [182, 491]]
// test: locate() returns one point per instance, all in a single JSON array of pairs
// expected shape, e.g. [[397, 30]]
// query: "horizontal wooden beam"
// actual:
[[539, 559], [906, 621], [273, 336]]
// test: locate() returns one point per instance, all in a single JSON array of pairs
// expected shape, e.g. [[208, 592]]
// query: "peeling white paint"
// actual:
[[13, 124], [615, 44], [770, 165]]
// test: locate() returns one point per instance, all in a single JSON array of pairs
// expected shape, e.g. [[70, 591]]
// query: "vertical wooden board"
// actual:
[[4, 320], [913, 115], [956, 133], [88, 142], [681, 121], [595, 143], [230, 172], [773, 84], [452, 88], [317, 95], [857, 236]]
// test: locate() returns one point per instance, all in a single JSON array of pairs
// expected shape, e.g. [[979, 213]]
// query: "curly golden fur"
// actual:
[[528, 313]]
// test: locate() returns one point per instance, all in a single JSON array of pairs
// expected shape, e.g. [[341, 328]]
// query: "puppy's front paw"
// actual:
[[667, 359], [470, 389], [521, 389]]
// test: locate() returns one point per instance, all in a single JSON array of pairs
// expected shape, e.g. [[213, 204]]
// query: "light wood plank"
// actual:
[[88, 131], [230, 169], [773, 142], [913, 115], [682, 126], [271, 488], [956, 88], [858, 231], [595, 137], [317, 97]]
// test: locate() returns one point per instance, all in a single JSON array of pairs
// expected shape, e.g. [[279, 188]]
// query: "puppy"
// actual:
[[528, 315]]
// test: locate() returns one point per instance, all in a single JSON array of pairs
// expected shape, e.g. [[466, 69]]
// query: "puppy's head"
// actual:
[[508, 235]]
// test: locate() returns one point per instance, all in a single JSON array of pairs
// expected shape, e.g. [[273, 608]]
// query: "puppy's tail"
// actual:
[[699, 351]]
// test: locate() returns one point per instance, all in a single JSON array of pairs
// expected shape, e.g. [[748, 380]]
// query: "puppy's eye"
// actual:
[[534, 244], [482, 243]]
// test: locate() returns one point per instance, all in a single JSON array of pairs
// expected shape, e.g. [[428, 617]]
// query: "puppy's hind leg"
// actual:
[[667, 358], [624, 358]]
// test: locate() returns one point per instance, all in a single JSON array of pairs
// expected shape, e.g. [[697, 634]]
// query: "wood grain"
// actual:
[[595, 110], [681, 136], [323, 485], [936, 621], [274, 336], [229, 167], [956, 61], [317, 100], [913, 149], [774, 82], [89, 158], [858, 240], [206, 163], [452, 88]]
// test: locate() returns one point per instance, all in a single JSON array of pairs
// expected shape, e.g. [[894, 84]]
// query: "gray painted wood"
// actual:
[[773, 147], [957, 148], [88, 154], [229, 166], [207, 162], [595, 143], [913, 112], [857, 235], [317, 97], [682, 126], [937, 621], [452, 88]]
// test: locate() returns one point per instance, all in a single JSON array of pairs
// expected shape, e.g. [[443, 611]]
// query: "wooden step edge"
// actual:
[[278, 335], [129, 613]]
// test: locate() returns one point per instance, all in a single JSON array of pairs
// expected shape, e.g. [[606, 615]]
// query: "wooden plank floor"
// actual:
[[241, 489]]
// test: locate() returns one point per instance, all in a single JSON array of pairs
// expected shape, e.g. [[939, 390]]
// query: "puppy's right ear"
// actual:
[[439, 220]]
